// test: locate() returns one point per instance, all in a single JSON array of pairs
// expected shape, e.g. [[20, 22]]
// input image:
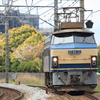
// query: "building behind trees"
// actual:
[[17, 19]]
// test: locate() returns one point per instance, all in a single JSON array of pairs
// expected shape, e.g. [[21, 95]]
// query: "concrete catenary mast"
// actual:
[[69, 13], [82, 11], [55, 14]]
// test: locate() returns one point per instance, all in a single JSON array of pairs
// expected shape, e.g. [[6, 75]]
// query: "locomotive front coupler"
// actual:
[[90, 73], [75, 78]]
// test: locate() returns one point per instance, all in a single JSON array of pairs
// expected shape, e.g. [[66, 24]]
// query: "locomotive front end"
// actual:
[[73, 60]]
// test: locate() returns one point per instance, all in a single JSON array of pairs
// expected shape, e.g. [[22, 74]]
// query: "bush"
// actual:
[[14, 65], [2, 68], [32, 66], [99, 68], [98, 58]]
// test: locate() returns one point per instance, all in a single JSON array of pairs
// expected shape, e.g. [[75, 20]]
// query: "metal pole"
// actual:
[[55, 14], [82, 11], [7, 50]]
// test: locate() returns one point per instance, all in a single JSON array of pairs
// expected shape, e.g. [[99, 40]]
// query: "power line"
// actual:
[[92, 13], [45, 12], [7, 10], [96, 11]]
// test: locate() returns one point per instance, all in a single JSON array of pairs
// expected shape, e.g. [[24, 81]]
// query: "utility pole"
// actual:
[[7, 10], [82, 11], [7, 50], [55, 14], [7, 44]]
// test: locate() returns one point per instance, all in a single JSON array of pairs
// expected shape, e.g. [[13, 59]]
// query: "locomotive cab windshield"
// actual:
[[73, 38]]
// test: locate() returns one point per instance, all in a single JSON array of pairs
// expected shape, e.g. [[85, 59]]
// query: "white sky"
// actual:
[[89, 5]]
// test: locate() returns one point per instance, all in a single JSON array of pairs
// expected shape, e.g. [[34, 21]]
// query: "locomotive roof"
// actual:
[[74, 31]]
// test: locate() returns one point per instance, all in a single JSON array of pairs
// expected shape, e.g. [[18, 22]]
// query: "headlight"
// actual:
[[94, 58], [55, 61], [93, 61]]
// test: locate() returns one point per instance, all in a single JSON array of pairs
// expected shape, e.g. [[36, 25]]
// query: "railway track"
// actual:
[[91, 96], [66, 96], [58, 95], [84, 96], [10, 94], [69, 97], [1, 95]]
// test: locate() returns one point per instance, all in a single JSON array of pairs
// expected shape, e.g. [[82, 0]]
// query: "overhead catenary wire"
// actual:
[[52, 14], [46, 13], [73, 4], [27, 6], [37, 3], [31, 4], [47, 10], [92, 13], [34, 5], [96, 11]]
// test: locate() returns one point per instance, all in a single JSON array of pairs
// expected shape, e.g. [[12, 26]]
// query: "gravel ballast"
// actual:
[[30, 93]]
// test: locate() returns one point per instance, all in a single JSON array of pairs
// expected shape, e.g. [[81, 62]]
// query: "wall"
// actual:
[[13, 75]]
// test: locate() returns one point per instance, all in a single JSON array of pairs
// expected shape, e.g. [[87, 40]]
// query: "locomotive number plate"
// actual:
[[74, 51]]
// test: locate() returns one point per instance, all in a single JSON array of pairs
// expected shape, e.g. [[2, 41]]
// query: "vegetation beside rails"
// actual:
[[26, 79], [25, 49], [97, 89], [28, 83], [32, 83], [29, 80]]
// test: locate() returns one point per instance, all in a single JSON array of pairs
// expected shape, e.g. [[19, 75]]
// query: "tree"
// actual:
[[2, 64], [18, 35], [14, 65], [32, 66], [25, 47], [99, 59], [27, 52], [30, 49]]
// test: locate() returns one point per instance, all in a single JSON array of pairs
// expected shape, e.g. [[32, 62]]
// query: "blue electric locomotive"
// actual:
[[70, 60]]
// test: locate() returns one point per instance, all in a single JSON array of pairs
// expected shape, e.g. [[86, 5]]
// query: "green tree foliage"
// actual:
[[2, 52], [2, 64], [31, 66], [99, 59], [25, 46], [27, 52], [99, 68], [14, 65], [18, 35], [2, 42]]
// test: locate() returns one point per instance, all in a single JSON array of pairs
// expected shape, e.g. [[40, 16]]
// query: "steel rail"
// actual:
[[58, 92], [91, 96], [21, 95], [1, 95], [70, 97], [88, 95]]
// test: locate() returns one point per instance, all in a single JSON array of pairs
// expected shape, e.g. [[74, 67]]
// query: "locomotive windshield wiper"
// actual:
[[85, 41], [61, 42]]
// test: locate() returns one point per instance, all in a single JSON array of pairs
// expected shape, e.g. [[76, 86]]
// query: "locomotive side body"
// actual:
[[70, 62]]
